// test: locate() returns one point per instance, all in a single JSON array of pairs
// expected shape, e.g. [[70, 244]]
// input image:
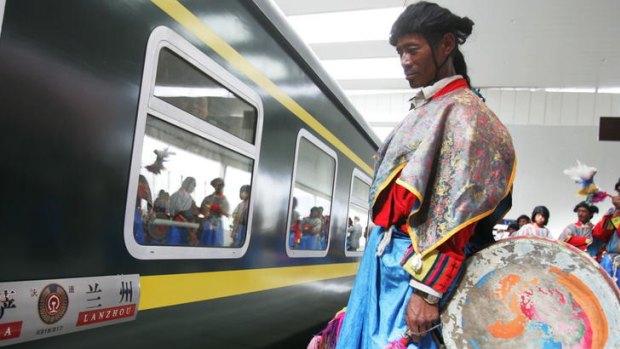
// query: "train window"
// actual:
[[311, 203], [186, 87], [1, 15], [358, 221], [195, 152]]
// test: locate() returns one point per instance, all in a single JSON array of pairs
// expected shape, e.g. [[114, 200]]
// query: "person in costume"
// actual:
[[240, 217], [214, 207], [540, 218], [144, 206], [579, 234], [311, 229], [608, 231], [294, 239], [442, 180], [183, 209]]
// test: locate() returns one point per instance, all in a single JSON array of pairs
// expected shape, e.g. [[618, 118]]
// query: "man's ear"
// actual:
[[447, 44]]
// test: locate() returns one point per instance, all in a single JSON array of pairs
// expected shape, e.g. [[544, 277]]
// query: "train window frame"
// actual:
[[150, 105], [2, 6], [363, 177], [308, 136]]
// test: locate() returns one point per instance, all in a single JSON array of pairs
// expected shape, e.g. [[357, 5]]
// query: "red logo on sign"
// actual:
[[10, 330], [106, 314]]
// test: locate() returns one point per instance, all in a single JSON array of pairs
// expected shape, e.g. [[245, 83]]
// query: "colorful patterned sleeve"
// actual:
[[441, 266]]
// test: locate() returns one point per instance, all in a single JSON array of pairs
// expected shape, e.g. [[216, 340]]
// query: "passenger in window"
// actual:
[[161, 204], [214, 207], [311, 230], [157, 233], [294, 239], [324, 230], [240, 217], [181, 202], [183, 209], [540, 218], [355, 234], [144, 205]]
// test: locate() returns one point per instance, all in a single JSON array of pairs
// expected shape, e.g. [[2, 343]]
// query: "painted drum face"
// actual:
[[53, 303], [533, 293]]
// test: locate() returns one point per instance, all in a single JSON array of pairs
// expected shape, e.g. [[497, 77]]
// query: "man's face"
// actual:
[[522, 222], [583, 215], [416, 58]]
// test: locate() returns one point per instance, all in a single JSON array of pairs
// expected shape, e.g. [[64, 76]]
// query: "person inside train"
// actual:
[[311, 228], [240, 217], [214, 207], [579, 234], [608, 231], [540, 218], [355, 233], [144, 206], [295, 234], [161, 204], [158, 233], [523, 220], [183, 209], [428, 216]]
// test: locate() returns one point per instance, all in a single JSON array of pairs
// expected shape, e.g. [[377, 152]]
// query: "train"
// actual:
[[174, 174]]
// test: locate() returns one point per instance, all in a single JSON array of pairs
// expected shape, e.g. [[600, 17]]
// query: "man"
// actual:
[[608, 231], [579, 234], [442, 180]]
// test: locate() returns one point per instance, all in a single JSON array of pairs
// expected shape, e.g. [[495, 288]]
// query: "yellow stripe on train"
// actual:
[[195, 26], [165, 290]]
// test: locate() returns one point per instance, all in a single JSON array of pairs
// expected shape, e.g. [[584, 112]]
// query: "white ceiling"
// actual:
[[525, 43]]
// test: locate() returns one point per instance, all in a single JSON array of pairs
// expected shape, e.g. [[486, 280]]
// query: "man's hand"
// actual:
[[420, 316]]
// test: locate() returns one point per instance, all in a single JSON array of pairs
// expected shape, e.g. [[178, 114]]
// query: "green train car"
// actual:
[[174, 174]]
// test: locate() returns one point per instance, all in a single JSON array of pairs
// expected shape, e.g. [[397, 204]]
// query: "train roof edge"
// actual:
[[275, 16]]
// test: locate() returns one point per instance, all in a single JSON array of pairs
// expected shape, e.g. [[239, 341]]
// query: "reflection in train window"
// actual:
[[358, 219], [187, 88], [201, 190], [195, 152], [311, 203]]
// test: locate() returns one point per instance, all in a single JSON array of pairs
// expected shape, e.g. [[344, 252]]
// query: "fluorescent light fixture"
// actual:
[[366, 68], [182, 91], [615, 90], [361, 25], [572, 89]]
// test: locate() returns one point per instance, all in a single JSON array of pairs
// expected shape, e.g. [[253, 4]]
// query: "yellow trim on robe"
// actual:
[[427, 265], [388, 181], [474, 219]]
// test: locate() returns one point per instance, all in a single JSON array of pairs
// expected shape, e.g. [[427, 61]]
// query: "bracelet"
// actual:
[[428, 298]]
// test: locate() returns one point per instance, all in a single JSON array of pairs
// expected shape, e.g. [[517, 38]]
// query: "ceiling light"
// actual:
[[346, 26]]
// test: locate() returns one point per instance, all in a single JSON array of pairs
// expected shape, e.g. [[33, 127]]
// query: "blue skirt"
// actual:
[[375, 315], [212, 235]]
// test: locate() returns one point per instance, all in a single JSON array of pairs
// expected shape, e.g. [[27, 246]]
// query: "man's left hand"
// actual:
[[421, 316]]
